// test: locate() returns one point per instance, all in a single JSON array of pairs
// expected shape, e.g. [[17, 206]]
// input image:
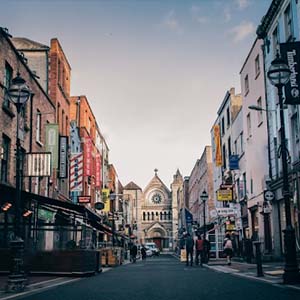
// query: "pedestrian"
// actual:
[[143, 252], [189, 247], [199, 250], [133, 252], [206, 244], [228, 249]]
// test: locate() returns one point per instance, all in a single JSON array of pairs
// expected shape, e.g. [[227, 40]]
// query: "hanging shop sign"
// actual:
[[87, 156], [106, 200], [290, 52], [98, 170], [233, 162], [84, 199], [224, 195], [63, 157], [52, 141], [76, 172], [226, 211], [217, 138], [38, 164]]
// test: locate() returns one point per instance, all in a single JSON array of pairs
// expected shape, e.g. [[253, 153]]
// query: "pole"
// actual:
[[16, 280], [204, 221], [291, 271]]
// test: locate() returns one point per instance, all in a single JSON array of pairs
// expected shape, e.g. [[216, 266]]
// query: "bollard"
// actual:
[[258, 259]]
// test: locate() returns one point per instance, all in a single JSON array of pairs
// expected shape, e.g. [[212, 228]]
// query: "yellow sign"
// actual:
[[217, 137], [224, 195], [230, 227], [106, 200]]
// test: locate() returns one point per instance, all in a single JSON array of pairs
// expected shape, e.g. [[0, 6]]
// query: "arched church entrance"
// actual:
[[158, 236]]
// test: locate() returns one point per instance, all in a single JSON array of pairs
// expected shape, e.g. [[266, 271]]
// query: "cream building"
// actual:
[[156, 212]]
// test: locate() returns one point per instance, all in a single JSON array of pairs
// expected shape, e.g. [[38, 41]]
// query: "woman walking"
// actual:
[[228, 249]]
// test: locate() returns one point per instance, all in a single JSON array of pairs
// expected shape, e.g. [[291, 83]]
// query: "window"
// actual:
[[62, 122], [38, 126], [259, 112], [223, 126], [275, 41], [229, 147], [7, 81], [249, 130], [5, 158], [295, 136], [288, 24], [228, 117], [242, 143], [246, 82], [257, 66], [58, 112], [235, 147], [224, 156], [251, 186]]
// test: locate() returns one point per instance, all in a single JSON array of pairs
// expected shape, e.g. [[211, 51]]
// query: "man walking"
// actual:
[[199, 251], [189, 247]]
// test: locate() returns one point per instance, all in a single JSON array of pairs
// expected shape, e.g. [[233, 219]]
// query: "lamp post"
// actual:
[[204, 198], [279, 76], [18, 93]]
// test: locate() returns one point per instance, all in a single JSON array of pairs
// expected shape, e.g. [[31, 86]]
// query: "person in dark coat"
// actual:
[[143, 252], [189, 247], [133, 252]]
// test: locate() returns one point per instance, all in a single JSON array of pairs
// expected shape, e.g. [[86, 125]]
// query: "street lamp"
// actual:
[[204, 198], [18, 93], [279, 76]]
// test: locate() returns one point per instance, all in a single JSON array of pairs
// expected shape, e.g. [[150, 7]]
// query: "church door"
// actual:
[[157, 242]]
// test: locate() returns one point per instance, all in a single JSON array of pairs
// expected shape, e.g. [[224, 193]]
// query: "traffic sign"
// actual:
[[269, 195]]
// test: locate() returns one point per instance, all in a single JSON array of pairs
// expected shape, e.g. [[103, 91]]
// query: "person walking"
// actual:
[[228, 248], [133, 253], [199, 251], [206, 250], [143, 252], [189, 247]]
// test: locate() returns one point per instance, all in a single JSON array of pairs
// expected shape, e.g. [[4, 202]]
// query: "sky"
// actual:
[[154, 71]]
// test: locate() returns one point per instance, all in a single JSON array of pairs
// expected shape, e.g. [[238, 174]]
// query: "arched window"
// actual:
[[161, 215], [169, 215], [165, 215], [152, 216], [144, 216], [156, 213], [148, 216]]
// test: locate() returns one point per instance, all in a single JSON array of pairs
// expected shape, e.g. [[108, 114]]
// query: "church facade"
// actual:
[[157, 212]]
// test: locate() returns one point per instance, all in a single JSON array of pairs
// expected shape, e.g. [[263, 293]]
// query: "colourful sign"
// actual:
[[106, 200], [87, 151], [98, 171], [76, 172], [217, 138], [224, 195], [52, 143], [84, 199]]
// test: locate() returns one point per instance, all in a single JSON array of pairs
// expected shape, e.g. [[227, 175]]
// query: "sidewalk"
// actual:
[[272, 271]]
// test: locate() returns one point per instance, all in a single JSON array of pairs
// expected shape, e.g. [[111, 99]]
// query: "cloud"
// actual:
[[170, 21], [195, 12], [242, 4], [242, 31], [227, 14]]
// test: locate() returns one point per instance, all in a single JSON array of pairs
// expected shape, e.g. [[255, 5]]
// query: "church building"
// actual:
[[157, 212]]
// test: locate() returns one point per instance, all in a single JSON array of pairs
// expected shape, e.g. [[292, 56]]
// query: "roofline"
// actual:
[[268, 18], [58, 42], [227, 96], [250, 52], [6, 36]]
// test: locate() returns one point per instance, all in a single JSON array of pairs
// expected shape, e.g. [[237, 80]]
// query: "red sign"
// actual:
[[98, 171], [84, 199], [87, 156]]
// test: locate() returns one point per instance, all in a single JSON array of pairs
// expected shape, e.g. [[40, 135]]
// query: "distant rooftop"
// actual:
[[132, 186], [27, 44]]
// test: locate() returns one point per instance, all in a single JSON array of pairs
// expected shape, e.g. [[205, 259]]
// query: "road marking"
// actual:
[[45, 281], [39, 290]]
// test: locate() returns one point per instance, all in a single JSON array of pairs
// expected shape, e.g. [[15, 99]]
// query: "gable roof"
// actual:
[[27, 44], [156, 180], [131, 186]]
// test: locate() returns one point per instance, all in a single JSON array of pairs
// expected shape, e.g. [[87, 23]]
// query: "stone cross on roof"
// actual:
[[155, 170]]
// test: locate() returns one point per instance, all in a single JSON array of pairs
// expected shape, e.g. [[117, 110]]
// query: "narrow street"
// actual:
[[165, 277]]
